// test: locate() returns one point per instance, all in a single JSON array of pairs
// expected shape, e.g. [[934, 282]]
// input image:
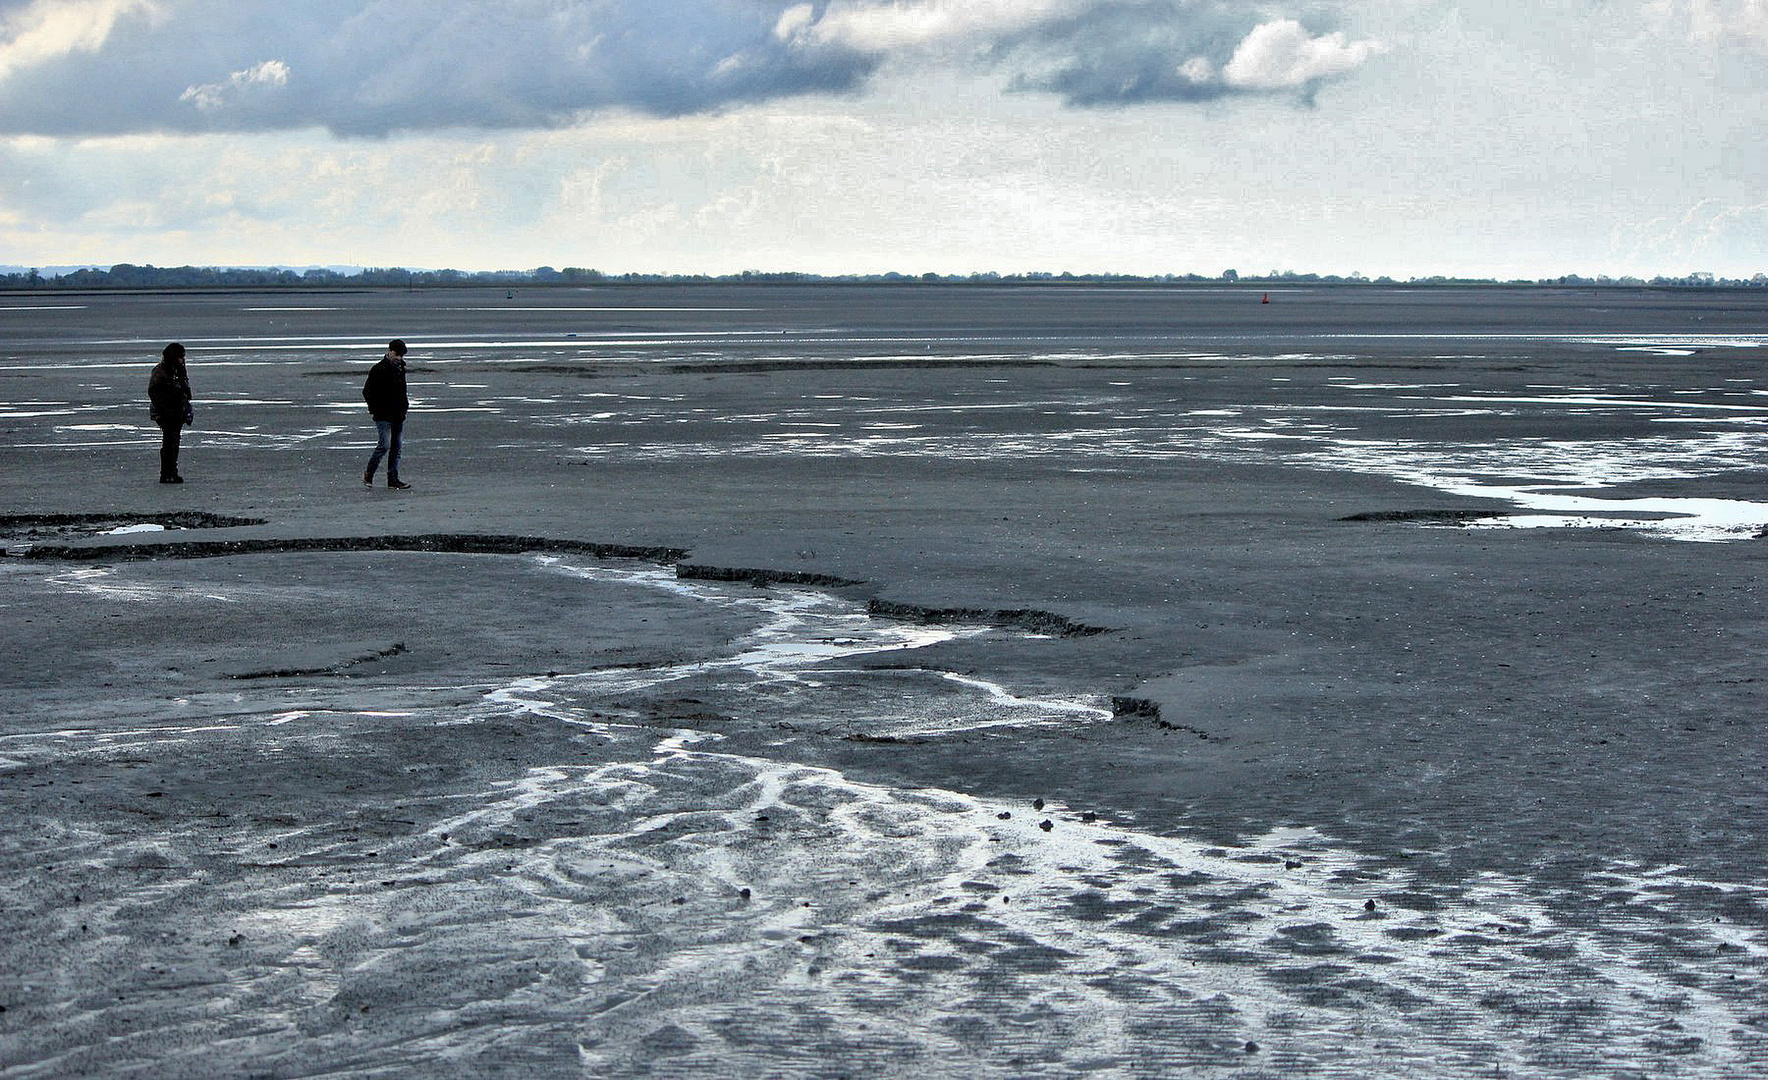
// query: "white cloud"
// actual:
[[1198, 70], [1709, 233], [1281, 55], [46, 30], [1714, 21], [794, 21], [914, 24], [271, 74]]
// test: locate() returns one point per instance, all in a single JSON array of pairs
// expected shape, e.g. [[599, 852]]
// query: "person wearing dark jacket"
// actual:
[[387, 403], [168, 396]]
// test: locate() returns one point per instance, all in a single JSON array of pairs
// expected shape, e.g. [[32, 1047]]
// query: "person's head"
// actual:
[[173, 352], [396, 347]]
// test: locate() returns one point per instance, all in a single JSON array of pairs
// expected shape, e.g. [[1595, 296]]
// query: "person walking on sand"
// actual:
[[168, 397], [387, 403]]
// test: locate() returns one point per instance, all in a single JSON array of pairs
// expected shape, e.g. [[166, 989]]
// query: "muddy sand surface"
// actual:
[[778, 685]]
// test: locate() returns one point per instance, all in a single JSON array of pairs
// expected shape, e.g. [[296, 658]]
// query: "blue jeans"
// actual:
[[388, 447]]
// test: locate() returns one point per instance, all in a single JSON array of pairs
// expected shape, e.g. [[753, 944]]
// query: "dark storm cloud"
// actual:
[[369, 68]]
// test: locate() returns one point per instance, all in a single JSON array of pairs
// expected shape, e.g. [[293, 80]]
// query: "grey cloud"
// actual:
[[1128, 52], [371, 67]]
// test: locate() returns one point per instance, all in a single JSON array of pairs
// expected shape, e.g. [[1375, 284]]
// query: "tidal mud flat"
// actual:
[[819, 681]]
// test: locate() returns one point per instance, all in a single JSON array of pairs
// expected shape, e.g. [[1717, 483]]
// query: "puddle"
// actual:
[[1560, 475]]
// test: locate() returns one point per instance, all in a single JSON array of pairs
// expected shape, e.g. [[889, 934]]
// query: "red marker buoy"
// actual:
[[1267, 299]]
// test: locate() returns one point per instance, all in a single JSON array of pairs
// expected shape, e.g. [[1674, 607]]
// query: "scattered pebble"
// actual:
[[1037, 804], [1368, 905], [743, 892], [1251, 1047], [1003, 815], [1045, 825]]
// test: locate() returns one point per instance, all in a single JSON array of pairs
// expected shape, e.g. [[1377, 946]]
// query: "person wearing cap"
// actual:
[[387, 403], [168, 397]]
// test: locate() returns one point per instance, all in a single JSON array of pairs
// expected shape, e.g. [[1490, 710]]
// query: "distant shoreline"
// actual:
[[211, 280]]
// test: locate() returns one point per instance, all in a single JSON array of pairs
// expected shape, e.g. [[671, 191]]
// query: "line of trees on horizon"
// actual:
[[131, 276]]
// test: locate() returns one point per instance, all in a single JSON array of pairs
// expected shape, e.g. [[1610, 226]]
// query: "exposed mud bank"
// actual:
[[762, 367], [20, 531], [178, 520], [339, 668], [758, 576], [1027, 619], [1135, 708], [465, 543], [1428, 517]]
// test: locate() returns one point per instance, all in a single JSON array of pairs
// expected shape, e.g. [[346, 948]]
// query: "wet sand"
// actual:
[[901, 682]]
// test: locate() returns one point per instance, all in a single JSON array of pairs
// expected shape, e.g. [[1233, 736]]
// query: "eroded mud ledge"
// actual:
[[1428, 517], [467, 543], [1029, 620], [181, 519]]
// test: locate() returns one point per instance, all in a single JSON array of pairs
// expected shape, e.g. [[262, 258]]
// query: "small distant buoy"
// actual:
[[1267, 299]]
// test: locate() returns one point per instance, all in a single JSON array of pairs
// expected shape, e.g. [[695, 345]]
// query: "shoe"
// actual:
[[398, 485], [368, 479], [171, 479]]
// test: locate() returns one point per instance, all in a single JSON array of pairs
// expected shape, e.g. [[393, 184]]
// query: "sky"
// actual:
[[1485, 138]]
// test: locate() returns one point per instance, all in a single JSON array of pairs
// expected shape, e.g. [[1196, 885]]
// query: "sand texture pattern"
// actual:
[[818, 681]]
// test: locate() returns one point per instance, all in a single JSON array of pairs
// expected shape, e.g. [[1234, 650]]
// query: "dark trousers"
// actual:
[[387, 446], [170, 432]]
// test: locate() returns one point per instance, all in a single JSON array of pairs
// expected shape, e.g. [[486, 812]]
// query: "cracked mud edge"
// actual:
[[1440, 517], [756, 576], [1030, 620], [11, 524], [444, 542], [1027, 619], [330, 669], [1138, 708]]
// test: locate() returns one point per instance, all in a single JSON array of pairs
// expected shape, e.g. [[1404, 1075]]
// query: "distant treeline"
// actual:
[[130, 276]]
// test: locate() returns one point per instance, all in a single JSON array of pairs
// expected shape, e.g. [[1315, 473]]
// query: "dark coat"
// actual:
[[168, 393], [385, 391]]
